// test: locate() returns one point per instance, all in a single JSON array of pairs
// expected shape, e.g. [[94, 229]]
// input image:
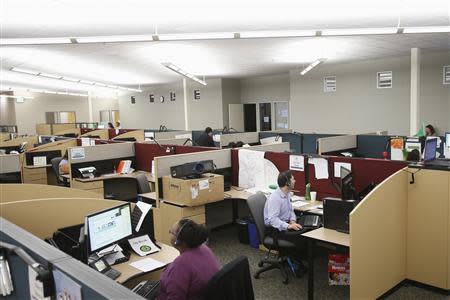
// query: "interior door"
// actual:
[[236, 117], [265, 116], [281, 115], [250, 117]]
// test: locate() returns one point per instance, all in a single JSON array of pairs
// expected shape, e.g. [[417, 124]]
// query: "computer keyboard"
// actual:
[[309, 220], [113, 274], [148, 289]]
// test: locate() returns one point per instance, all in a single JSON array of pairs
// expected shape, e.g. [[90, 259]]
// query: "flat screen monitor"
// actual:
[[430, 149], [348, 191], [109, 227], [447, 139]]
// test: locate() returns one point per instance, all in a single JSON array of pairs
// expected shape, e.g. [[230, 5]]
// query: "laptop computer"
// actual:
[[429, 156]]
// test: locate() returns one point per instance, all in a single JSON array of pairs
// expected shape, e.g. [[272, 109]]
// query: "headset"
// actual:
[[177, 239], [288, 180]]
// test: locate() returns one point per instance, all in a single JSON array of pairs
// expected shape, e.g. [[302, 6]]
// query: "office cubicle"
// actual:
[[10, 169]]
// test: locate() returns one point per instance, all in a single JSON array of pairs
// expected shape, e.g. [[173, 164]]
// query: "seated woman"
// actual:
[[64, 165], [187, 276]]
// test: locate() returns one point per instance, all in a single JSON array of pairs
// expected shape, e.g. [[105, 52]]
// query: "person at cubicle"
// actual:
[[110, 125], [429, 130], [206, 138], [118, 126], [279, 215], [187, 276], [64, 165]]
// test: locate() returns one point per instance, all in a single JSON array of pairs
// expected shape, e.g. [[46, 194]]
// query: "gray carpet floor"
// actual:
[[226, 246]]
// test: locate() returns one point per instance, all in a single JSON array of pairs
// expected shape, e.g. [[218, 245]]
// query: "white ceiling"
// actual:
[[137, 63]]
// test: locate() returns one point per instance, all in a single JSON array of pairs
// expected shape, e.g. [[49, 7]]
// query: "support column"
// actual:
[[91, 118], [185, 101], [414, 120]]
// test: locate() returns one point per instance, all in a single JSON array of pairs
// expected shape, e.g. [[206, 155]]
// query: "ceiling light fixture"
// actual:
[[224, 35], [73, 80], [15, 97], [312, 66], [180, 71]]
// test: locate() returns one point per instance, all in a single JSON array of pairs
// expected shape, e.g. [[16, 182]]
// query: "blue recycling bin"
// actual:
[[253, 234]]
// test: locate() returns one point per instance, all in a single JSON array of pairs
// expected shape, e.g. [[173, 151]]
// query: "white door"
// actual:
[[236, 116]]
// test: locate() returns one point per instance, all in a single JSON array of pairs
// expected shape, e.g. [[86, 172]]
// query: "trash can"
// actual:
[[242, 231], [253, 234]]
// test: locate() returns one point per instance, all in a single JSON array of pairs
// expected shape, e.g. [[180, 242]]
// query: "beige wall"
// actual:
[[265, 88], [7, 111], [434, 95], [99, 104], [231, 94], [357, 105]]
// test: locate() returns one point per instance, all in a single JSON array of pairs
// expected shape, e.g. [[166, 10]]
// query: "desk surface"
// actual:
[[149, 175], [166, 255], [151, 195], [329, 236], [37, 167]]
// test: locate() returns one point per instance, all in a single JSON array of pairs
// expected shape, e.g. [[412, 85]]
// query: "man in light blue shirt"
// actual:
[[278, 211]]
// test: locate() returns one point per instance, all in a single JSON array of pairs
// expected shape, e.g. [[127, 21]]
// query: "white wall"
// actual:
[[357, 105], [32, 111], [434, 96], [231, 94], [99, 103], [208, 110], [7, 111], [265, 88]]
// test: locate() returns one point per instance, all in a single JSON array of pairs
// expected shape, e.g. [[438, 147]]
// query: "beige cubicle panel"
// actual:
[[4, 136], [58, 127], [136, 134], [245, 137], [29, 140], [62, 145], [428, 228], [165, 135], [274, 147], [378, 239], [44, 129], [102, 133], [76, 131], [336, 143], [42, 217], [19, 192], [10, 163]]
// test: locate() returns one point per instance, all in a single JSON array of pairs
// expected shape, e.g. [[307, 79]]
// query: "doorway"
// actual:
[[250, 117], [265, 116]]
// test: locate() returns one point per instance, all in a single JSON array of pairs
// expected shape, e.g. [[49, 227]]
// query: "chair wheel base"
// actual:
[[260, 264], [286, 281], [256, 276]]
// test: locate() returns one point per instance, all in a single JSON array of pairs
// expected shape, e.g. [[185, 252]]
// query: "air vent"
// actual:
[[329, 84], [384, 80], [446, 75]]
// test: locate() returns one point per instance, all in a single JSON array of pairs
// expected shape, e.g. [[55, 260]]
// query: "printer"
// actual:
[[336, 213], [87, 172]]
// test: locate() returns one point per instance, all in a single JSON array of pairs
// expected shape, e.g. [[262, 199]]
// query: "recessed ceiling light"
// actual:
[[180, 71], [312, 65], [427, 29]]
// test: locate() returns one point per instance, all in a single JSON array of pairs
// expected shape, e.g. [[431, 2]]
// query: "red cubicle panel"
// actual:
[[191, 149]]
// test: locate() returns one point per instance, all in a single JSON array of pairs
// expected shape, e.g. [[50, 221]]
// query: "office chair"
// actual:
[[232, 282], [120, 188], [283, 247], [143, 185], [55, 166]]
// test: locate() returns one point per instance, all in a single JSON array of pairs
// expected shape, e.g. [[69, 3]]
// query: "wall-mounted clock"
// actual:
[[161, 99]]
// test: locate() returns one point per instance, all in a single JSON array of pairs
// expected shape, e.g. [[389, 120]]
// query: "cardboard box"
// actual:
[[193, 192]]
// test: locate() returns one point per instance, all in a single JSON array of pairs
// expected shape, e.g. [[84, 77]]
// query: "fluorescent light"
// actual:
[[25, 71], [35, 41], [70, 79], [100, 84], [277, 33], [427, 29], [115, 39], [180, 71], [312, 65], [50, 75], [359, 31], [196, 36], [16, 97], [87, 82]]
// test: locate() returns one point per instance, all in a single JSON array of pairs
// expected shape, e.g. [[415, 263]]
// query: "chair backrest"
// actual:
[[143, 185], [256, 204], [55, 166], [120, 188], [233, 281]]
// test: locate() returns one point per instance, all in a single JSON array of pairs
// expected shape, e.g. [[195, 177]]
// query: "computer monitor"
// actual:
[[429, 153], [348, 191], [447, 139], [108, 227]]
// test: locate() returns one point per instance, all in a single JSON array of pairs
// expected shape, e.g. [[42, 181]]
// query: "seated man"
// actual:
[[64, 165], [279, 215]]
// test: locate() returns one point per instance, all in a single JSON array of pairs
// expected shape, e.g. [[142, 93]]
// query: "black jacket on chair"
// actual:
[[232, 282], [205, 140]]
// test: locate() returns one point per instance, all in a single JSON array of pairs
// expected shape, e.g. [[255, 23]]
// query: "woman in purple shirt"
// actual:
[[187, 276]]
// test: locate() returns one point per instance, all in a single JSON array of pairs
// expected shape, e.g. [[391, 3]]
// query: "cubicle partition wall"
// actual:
[[279, 159], [309, 142], [294, 139], [71, 132], [245, 137], [112, 133], [372, 146], [14, 144], [179, 134], [378, 239], [10, 169], [365, 171], [332, 144], [146, 152], [137, 135], [100, 133]]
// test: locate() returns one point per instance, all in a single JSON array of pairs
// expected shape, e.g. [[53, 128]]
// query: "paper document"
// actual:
[[337, 168], [297, 198], [110, 249], [255, 190], [113, 257], [65, 287], [297, 163], [251, 168], [147, 264], [144, 208], [85, 142], [298, 204], [143, 245], [36, 286], [321, 167]]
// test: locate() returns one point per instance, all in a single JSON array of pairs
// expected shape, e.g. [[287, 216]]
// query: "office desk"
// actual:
[[96, 184], [131, 276], [39, 175], [328, 236]]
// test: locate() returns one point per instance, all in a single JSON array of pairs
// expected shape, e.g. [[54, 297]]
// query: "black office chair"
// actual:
[[55, 166], [232, 282], [143, 185], [256, 204], [120, 188]]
